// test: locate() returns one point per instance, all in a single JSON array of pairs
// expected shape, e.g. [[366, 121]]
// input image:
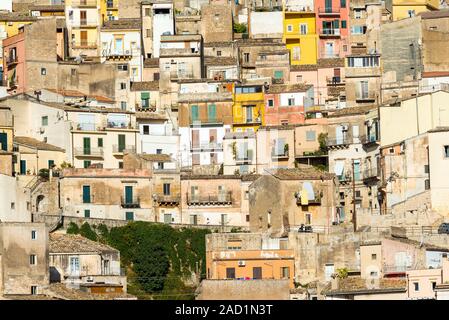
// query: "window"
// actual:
[[343, 3], [411, 13], [147, 12], [145, 99], [373, 274], [343, 24], [122, 67], [73, 72], [33, 259], [246, 195], [158, 151], [74, 265], [86, 194], [426, 168], [291, 101], [357, 14], [373, 256], [270, 103], [299, 78], [365, 62], [100, 142], [43, 71], [194, 219], [123, 85], [446, 151], [87, 213], [289, 28], [427, 184], [285, 273], [33, 290], [134, 71], [358, 29], [308, 217], [230, 273], [123, 105], [129, 216], [120, 164], [247, 218], [278, 74], [146, 129], [303, 28], [284, 122], [167, 218], [257, 272], [246, 56], [218, 53], [310, 135], [296, 53], [416, 286], [44, 121], [148, 33], [33, 234], [363, 90], [166, 189]]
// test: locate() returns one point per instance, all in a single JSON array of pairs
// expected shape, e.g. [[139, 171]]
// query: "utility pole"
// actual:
[[354, 214]]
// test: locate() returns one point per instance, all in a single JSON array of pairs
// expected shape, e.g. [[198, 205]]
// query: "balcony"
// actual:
[[111, 5], [244, 159], [369, 140], [120, 149], [279, 156], [125, 54], [12, 60], [341, 142], [252, 121], [208, 121], [120, 125], [84, 126], [209, 199], [169, 201], [329, 32], [345, 178], [370, 174], [89, 152], [84, 23], [132, 202], [212, 146], [366, 97], [181, 75], [84, 3], [327, 11], [335, 81], [84, 45]]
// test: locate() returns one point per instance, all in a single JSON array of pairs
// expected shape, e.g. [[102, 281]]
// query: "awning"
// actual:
[[309, 188], [339, 166]]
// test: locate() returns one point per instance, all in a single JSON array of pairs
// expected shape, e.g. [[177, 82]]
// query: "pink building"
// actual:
[[332, 25], [14, 63], [286, 104]]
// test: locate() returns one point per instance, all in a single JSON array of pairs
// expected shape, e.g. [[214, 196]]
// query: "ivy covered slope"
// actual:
[[161, 262]]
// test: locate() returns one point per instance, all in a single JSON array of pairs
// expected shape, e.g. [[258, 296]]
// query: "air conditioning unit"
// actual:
[[90, 279], [242, 263]]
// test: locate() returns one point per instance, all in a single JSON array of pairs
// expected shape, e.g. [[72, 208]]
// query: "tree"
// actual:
[[322, 140], [73, 228], [87, 232], [239, 27]]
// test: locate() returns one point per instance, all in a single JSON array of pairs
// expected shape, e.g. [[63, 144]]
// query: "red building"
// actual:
[[14, 63], [332, 25], [286, 104]]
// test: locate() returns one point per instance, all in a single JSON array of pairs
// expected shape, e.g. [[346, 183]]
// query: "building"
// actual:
[[354, 288], [144, 96], [310, 145], [80, 263], [300, 32], [249, 257], [248, 111], [283, 199], [240, 152], [403, 9], [216, 22], [221, 68], [265, 24], [275, 147]]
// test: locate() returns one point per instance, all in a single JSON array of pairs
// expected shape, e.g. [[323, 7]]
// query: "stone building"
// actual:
[[283, 199], [216, 23]]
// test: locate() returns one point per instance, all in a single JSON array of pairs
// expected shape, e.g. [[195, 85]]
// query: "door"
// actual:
[[194, 192], [74, 266], [121, 142], [328, 271], [355, 134], [257, 272], [86, 194], [221, 193], [194, 113], [356, 170], [4, 141], [83, 36], [195, 139], [249, 114], [213, 138], [128, 195], [230, 273], [211, 113], [194, 219], [167, 218], [224, 219], [118, 46], [23, 166], [329, 49], [83, 19], [339, 134], [86, 146]]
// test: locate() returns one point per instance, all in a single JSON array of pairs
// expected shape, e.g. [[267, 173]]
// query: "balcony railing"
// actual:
[[199, 122], [330, 32], [328, 11], [246, 159], [133, 202], [342, 141], [181, 75], [257, 120], [371, 173], [84, 126], [120, 125], [126, 53], [171, 200], [209, 199], [121, 149], [84, 3], [207, 146], [279, 155], [396, 269], [89, 152], [371, 139]]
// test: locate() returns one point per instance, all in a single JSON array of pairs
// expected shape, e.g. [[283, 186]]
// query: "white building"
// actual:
[[157, 20], [6, 5]]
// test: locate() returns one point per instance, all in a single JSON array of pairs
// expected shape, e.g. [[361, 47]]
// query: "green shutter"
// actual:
[[121, 142], [86, 194], [144, 95], [343, 24], [23, 167], [194, 113], [343, 3], [100, 142], [211, 112], [50, 163], [130, 216], [128, 195], [278, 74], [87, 164], [86, 213], [4, 141], [336, 24], [86, 145]]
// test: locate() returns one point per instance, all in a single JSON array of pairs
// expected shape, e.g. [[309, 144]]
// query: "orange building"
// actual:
[[248, 256]]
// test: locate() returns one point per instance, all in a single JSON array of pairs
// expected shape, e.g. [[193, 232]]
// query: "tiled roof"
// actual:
[[61, 291], [304, 67], [48, 8], [145, 86], [357, 285], [74, 243], [156, 157], [151, 62], [351, 111], [218, 44], [33, 143], [150, 116], [300, 173], [13, 16], [281, 88], [432, 74], [122, 24], [329, 63], [220, 61], [434, 14], [78, 94]]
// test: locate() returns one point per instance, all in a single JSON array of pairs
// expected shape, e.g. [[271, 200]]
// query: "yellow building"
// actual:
[[406, 8], [248, 111], [109, 10], [84, 20], [300, 36]]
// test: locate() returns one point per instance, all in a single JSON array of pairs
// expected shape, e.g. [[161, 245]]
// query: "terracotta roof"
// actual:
[[13, 16], [356, 285], [156, 157], [74, 243], [434, 14], [218, 44], [220, 61], [245, 177], [33, 143], [122, 24], [78, 94], [300, 173], [329, 63], [281, 88], [304, 67], [434, 74], [150, 116], [259, 42], [151, 62], [351, 111], [145, 86], [48, 8]]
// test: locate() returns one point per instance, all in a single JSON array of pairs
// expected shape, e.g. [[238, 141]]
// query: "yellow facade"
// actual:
[[301, 41], [111, 10], [241, 120], [401, 8]]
